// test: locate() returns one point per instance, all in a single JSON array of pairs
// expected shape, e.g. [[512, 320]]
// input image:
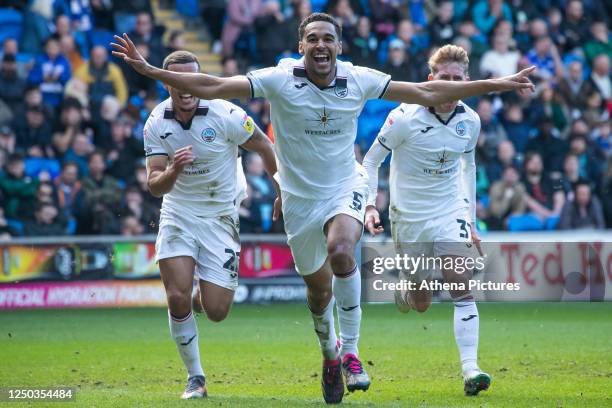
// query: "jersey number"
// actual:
[[463, 225], [233, 262], [357, 197]]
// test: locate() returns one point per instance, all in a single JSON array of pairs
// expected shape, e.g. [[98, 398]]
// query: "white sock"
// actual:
[[347, 291], [466, 333], [326, 331], [184, 331]]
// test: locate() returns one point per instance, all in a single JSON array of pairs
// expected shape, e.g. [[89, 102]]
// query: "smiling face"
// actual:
[[320, 46], [182, 101]]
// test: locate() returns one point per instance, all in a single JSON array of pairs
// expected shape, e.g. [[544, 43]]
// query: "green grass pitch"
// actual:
[[539, 354]]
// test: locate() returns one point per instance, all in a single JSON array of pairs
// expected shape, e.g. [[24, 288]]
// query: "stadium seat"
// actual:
[[11, 22], [16, 226], [318, 5], [525, 222], [188, 8], [101, 37]]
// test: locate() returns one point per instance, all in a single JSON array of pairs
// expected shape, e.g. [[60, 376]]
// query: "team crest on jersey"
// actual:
[[341, 92], [460, 128], [209, 135]]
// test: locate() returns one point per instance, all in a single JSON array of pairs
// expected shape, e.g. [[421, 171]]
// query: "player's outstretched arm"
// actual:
[[161, 176], [434, 93], [197, 84], [371, 162], [260, 144]]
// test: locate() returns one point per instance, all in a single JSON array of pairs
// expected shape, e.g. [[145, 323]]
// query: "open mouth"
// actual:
[[321, 58], [186, 98]]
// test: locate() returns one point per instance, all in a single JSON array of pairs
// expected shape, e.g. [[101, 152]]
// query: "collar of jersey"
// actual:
[[458, 109], [339, 81], [201, 110]]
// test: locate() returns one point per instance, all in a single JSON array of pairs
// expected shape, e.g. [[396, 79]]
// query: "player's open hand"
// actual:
[[125, 49], [182, 157], [476, 239], [277, 209], [519, 81], [372, 221]]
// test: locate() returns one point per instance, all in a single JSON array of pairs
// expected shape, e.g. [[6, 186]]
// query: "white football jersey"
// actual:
[[315, 128], [426, 161], [211, 185]]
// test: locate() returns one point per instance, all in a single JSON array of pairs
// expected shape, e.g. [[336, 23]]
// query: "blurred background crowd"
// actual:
[[71, 116]]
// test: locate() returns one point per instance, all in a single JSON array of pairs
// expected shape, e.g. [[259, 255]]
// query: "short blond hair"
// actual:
[[448, 54]]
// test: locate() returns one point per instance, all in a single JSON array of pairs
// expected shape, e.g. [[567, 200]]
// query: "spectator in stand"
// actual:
[[69, 49], [240, 17], [491, 131], [138, 84], [146, 32], [271, 32], [70, 195], [343, 11], [575, 26], [500, 61], [64, 28], [24, 63], [545, 56], [517, 129], [545, 196], [398, 65], [98, 186], [486, 14], [131, 226], [141, 182], [103, 120], [548, 144], [213, 14], [584, 212], [51, 72], [301, 10], [33, 132], [126, 151], [103, 78], [79, 152], [250, 214], [46, 222], [8, 142], [176, 41], [45, 193], [506, 198], [549, 104], [600, 42], [16, 187], [506, 156], [71, 124], [587, 158], [593, 114], [413, 44], [126, 13], [6, 232], [601, 78], [136, 206], [363, 45], [606, 194], [571, 175], [79, 12], [574, 89], [11, 86], [384, 15], [442, 29]]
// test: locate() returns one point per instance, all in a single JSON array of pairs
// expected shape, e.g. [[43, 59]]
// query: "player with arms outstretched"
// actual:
[[191, 147], [433, 198], [315, 103]]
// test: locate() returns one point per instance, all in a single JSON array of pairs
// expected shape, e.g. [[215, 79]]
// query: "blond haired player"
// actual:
[[432, 203], [191, 147], [315, 102]]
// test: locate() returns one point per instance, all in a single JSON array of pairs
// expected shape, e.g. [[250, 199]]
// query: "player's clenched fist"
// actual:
[[372, 221], [182, 157]]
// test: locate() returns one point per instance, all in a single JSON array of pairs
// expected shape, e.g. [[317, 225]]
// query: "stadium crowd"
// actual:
[[71, 116]]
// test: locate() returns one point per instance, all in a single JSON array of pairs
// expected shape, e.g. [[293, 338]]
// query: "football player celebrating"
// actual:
[[315, 102], [433, 198], [191, 147]]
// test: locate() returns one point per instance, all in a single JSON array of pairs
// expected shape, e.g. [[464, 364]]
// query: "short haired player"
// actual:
[[432, 197], [191, 146], [315, 102]]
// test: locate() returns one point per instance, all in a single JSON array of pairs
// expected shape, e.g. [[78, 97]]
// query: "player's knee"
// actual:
[[217, 314], [179, 303], [421, 307], [341, 255]]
